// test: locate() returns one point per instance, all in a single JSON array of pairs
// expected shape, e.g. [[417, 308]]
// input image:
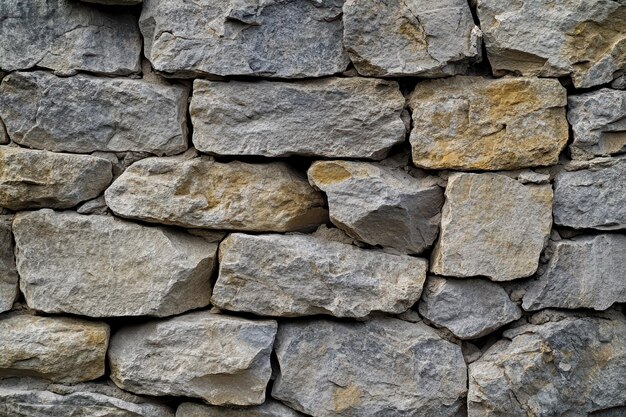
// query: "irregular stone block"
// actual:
[[380, 205], [57, 349], [492, 226], [203, 193], [221, 359], [381, 367], [332, 117], [67, 36], [83, 113], [584, 39], [414, 37], [8, 272], [100, 266], [484, 124], [268, 409], [297, 275]]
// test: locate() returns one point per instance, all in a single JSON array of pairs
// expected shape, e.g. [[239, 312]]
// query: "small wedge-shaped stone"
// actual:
[[484, 124], [203, 193], [66, 35], [492, 226], [35, 179], [57, 349], [380, 205], [585, 272], [114, 2], [8, 272], [297, 275], [383, 367], [413, 37], [100, 266], [83, 113], [268, 409], [332, 117], [223, 360]]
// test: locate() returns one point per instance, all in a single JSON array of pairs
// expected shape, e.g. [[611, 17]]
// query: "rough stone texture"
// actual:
[[380, 205], [381, 367], [203, 193], [414, 37], [268, 409], [66, 36], [34, 179], [296, 275], [83, 113], [57, 349], [286, 39], [101, 266], [223, 360], [469, 308], [476, 123], [492, 226], [585, 272], [332, 117], [8, 272], [567, 368]]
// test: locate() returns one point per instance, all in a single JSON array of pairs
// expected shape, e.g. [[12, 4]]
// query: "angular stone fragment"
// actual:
[[8, 272], [100, 266], [223, 360], [268, 409], [67, 36], [203, 193], [484, 124], [332, 117], [57, 349], [380, 205], [581, 38], [297, 275], [83, 113], [383, 367], [492, 226], [571, 367], [414, 37], [469, 308]]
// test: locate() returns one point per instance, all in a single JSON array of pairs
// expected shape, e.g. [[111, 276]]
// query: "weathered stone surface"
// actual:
[[203, 193], [598, 121], [58, 349], [331, 117], [469, 308], [8, 272], [101, 266], [66, 36], [29, 397], [584, 272], [83, 113], [581, 38], [268, 409], [567, 368], [114, 2], [380, 367], [297, 275], [415, 37], [286, 39], [492, 226], [34, 179], [484, 124], [221, 359]]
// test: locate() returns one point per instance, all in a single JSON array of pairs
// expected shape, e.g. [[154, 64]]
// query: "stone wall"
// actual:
[[282, 208]]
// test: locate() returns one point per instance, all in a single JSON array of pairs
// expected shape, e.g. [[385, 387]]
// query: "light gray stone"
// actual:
[[82, 114], [268, 409], [223, 360], [100, 266], [95, 206], [8, 272], [297, 275], [383, 367]]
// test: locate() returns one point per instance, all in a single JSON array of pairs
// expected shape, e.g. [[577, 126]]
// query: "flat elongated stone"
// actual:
[[380, 367], [66, 36], [203, 193], [8, 272], [223, 360], [57, 349], [268, 409], [380, 205], [83, 113], [484, 124], [297, 275], [492, 226], [101, 266]]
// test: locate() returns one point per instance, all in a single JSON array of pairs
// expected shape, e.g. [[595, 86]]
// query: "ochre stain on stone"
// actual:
[[329, 173], [346, 397]]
